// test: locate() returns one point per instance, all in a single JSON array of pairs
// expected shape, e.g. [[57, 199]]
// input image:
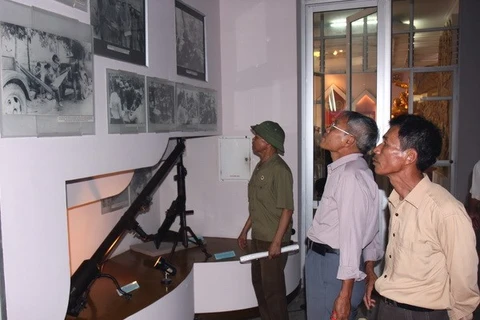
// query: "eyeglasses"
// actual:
[[340, 129]]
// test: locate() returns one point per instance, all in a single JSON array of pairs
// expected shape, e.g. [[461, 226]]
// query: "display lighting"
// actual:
[[341, 23]]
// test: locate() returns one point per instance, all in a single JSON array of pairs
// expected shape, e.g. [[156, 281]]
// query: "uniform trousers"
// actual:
[[268, 282], [323, 287]]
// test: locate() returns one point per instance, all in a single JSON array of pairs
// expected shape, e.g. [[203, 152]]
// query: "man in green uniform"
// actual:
[[270, 205]]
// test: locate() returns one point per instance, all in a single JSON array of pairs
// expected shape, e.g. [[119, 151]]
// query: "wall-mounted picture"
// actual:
[[126, 102], [77, 4], [119, 29], [116, 202], [186, 108], [47, 79], [190, 36], [207, 110], [161, 105]]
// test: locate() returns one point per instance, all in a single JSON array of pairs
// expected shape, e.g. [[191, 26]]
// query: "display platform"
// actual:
[[203, 288]]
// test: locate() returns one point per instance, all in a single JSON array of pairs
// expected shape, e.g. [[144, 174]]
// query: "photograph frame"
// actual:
[[126, 105], [161, 96], [190, 38], [52, 56], [120, 30], [207, 110]]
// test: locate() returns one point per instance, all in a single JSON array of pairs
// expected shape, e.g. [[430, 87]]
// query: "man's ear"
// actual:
[[350, 140], [411, 156]]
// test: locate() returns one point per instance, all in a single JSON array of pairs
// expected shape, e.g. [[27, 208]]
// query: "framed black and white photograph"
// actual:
[[116, 202], [190, 37], [161, 105], [186, 108], [119, 29], [47, 78], [126, 102], [207, 110], [77, 4]]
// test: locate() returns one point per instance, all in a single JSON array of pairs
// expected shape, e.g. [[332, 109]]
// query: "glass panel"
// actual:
[[399, 94], [335, 55], [364, 92], [400, 50], [434, 13], [319, 166], [400, 16], [335, 98], [336, 23], [364, 44], [317, 54], [371, 64], [435, 48], [439, 113], [432, 84], [364, 64], [357, 53]]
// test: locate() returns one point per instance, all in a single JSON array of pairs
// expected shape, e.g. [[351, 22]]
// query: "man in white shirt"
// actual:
[[344, 232]]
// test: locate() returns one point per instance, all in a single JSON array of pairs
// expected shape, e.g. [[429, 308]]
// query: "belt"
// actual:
[[321, 248], [405, 306]]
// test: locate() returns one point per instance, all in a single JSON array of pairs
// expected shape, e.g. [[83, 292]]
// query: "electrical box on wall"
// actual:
[[235, 158]]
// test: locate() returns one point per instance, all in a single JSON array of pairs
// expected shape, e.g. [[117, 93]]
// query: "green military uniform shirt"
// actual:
[[270, 190]]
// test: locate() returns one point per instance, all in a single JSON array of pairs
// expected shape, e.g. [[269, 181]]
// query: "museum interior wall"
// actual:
[[33, 178], [259, 82]]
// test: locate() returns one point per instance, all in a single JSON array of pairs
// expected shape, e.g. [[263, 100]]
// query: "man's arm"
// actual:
[[457, 240], [275, 246], [369, 284], [242, 238]]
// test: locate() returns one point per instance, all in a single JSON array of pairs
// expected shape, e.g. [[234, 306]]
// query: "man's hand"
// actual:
[[274, 250], [242, 240], [369, 286], [341, 308]]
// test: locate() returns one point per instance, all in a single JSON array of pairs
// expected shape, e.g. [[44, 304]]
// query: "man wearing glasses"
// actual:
[[344, 232], [430, 262]]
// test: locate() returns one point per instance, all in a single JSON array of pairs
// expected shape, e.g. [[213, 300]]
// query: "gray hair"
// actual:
[[364, 129]]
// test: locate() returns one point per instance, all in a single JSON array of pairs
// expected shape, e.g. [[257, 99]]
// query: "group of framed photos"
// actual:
[[47, 71], [147, 104]]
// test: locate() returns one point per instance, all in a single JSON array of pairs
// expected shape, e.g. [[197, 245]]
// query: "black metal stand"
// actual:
[[185, 232]]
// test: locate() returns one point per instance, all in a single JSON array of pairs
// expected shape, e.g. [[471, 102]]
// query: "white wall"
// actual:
[[33, 171], [259, 82]]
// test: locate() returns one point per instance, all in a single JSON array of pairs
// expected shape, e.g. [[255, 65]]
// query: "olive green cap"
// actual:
[[272, 133]]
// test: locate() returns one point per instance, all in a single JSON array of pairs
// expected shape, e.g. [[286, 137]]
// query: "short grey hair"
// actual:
[[364, 129]]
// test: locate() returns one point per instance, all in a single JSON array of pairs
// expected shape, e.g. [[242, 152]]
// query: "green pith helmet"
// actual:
[[272, 133]]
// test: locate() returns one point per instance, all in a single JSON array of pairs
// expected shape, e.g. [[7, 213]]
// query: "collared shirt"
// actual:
[[475, 190], [430, 260], [347, 217], [270, 190]]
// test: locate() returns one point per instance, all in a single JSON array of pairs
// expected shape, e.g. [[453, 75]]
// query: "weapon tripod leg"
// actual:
[[199, 243]]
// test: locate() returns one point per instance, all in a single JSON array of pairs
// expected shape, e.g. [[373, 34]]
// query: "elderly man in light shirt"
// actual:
[[344, 233], [430, 261]]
